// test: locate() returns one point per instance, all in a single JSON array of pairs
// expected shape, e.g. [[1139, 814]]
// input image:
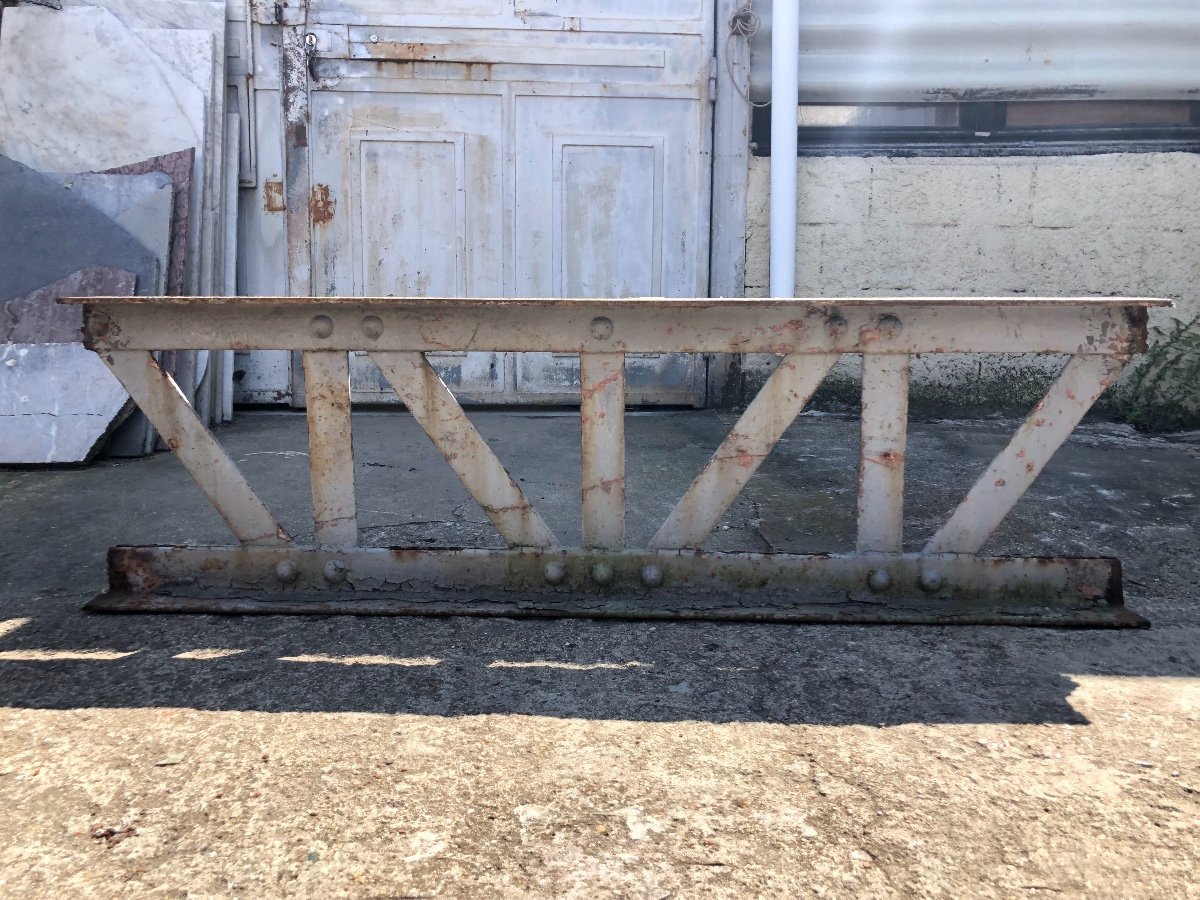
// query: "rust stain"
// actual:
[[590, 392], [1000, 482], [606, 485], [321, 205], [889, 459], [273, 196]]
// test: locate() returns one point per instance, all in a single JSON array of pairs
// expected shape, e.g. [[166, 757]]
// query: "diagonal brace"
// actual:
[[484, 476], [159, 397], [1018, 465], [753, 437]]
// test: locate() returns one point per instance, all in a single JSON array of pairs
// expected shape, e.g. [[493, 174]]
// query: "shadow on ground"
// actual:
[[1139, 497]]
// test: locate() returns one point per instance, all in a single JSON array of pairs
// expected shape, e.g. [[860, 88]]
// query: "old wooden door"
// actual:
[[558, 149]]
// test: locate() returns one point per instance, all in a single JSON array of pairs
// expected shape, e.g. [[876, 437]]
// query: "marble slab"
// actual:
[[44, 416], [107, 102]]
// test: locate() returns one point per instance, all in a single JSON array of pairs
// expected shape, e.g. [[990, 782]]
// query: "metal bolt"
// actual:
[[372, 327], [932, 581], [335, 571], [652, 576], [889, 326], [602, 573], [879, 580], [374, 39], [602, 328], [287, 572], [321, 326], [556, 573], [835, 326]]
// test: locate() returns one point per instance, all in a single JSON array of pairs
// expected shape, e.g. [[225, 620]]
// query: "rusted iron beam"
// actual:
[[447, 426], [889, 325], [945, 583], [941, 589], [159, 397]]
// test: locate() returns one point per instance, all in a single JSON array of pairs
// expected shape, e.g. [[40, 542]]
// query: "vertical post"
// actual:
[[602, 415], [884, 434], [785, 92], [330, 448]]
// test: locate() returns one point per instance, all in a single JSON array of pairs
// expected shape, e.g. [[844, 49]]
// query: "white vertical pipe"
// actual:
[[785, 88]]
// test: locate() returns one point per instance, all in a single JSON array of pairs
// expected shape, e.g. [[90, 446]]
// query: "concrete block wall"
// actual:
[[1104, 224]]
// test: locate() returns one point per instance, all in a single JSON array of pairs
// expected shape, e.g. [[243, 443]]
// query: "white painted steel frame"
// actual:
[[1101, 334]]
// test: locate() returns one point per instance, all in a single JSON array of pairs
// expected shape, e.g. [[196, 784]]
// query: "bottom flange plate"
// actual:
[[938, 589]]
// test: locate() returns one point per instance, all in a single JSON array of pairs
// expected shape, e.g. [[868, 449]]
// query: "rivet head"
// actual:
[[879, 580], [287, 572], [374, 39], [890, 326], [335, 571], [321, 326], [602, 573], [652, 576], [556, 573], [602, 328], [836, 326], [932, 581], [372, 327]]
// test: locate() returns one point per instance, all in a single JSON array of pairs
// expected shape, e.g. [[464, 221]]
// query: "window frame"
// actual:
[[983, 131]]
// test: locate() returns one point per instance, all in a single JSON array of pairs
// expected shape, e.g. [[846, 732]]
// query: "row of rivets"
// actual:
[[889, 326], [335, 571], [322, 327], [372, 326], [603, 574], [879, 580]]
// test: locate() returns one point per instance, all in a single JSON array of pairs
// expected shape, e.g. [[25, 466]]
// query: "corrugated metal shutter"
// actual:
[[924, 50]]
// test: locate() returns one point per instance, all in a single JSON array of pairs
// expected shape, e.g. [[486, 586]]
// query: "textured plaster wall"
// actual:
[[1105, 224]]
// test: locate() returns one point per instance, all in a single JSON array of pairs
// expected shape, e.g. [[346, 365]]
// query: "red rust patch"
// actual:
[[273, 196], [321, 205]]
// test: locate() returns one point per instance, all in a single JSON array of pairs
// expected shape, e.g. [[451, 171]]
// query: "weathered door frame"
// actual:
[[729, 121]]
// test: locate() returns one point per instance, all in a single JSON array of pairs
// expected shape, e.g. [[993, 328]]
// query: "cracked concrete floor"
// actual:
[[272, 756]]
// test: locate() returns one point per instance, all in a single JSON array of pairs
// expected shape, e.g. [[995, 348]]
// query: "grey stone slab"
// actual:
[[191, 56], [48, 232], [113, 193], [57, 403], [37, 317], [149, 220], [178, 167]]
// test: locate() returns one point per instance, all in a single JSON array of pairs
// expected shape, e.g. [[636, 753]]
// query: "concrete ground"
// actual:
[[371, 757]]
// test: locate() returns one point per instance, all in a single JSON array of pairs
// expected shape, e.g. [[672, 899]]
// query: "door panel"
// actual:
[[423, 218], [595, 179]]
